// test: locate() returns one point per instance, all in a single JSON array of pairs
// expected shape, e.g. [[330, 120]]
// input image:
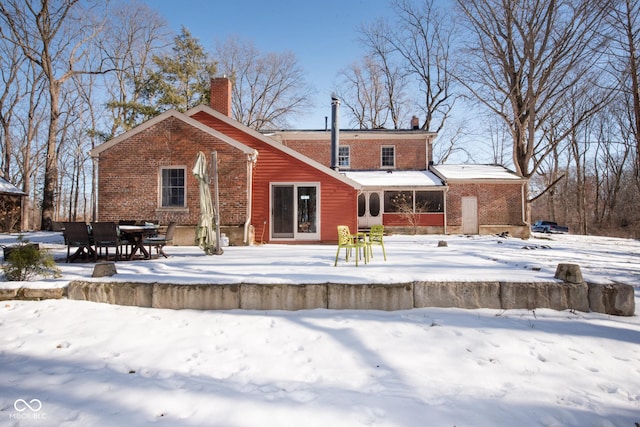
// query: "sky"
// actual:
[[323, 35]]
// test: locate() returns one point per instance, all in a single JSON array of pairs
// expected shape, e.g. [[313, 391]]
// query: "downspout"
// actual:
[[446, 213], [251, 161], [94, 207]]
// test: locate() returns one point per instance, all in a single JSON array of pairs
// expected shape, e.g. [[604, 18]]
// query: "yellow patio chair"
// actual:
[[349, 241], [375, 238]]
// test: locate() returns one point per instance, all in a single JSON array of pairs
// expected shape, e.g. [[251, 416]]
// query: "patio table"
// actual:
[[136, 235]]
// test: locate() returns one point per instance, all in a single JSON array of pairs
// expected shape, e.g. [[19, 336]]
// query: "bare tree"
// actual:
[[30, 123], [55, 35], [524, 58], [390, 72], [135, 33], [624, 21], [527, 55], [415, 45], [11, 92], [363, 94], [268, 88]]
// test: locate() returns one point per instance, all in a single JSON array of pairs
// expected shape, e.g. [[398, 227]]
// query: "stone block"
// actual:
[[397, 296], [283, 296], [553, 295], [8, 294], [104, 269], [121, 293], [40, 294], [617, 299], [196, 297], [569, 273], [467, 295]]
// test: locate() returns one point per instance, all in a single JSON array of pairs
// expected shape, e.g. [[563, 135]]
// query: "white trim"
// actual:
[[160, 188], [395, 163]]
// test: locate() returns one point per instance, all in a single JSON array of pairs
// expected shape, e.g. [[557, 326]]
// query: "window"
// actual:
[[173, 187], [344, 157], [388, 157], [429, 201], [406, 202], [398, 201]]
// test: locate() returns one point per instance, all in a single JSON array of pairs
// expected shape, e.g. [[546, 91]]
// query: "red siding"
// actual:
[[338, 201], [423, 220]]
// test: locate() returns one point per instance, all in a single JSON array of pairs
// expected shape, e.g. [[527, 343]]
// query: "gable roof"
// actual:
[[8, 188], [475, 173], [273, 143], [180, 116]]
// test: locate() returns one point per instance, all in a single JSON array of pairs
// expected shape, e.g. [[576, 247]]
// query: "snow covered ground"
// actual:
[[73, 363]]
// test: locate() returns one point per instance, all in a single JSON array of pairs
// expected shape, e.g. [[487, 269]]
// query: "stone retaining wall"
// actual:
[[610, 299], [615, 299]]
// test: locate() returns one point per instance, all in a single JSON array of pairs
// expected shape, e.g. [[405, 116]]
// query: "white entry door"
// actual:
[[470, 215], [369, 208]]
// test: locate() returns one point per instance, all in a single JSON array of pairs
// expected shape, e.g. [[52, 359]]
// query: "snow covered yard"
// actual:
[[73, 363]]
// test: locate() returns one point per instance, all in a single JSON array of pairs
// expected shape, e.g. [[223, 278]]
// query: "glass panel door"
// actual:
[[283, 211], [307, 215], [295, 211]]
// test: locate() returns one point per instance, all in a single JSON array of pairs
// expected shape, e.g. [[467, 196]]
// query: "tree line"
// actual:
[[549, 88]]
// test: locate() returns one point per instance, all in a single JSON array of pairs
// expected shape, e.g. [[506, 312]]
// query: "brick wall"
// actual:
[[498, 204], [411, 154], [129, 175]]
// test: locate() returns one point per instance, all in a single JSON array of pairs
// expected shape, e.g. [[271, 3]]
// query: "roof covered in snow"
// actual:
[[394, 178], [7, 188], [475, 172]]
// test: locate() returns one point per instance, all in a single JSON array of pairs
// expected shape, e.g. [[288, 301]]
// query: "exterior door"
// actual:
[[369, 208], [470, 215], [282, 211], [294, 211]]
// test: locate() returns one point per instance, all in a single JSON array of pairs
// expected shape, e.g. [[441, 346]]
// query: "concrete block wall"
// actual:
[[615, 299]]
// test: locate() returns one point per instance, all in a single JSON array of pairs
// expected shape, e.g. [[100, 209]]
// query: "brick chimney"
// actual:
[[221, 95], [415, 122]]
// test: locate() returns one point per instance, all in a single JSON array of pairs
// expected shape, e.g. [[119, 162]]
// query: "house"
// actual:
[[290, 186], [402, 189], [11, 207], [267, 191]]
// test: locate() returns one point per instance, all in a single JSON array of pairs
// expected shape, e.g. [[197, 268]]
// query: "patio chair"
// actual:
[[106, 235], [349, 241], [160, 241], [375, 238], [76, 235]]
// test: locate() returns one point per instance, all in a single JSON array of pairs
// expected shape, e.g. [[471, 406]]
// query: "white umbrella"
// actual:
[[204, 232]]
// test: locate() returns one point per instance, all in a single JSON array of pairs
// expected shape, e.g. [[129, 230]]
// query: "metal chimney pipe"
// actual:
[[335, 132]]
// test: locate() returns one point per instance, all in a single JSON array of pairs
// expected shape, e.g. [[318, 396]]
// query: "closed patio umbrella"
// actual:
[[204, 232]]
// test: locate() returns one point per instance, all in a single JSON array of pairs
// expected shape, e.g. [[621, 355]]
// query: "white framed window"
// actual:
[[344, 156], [388, 156], [173, 187]]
